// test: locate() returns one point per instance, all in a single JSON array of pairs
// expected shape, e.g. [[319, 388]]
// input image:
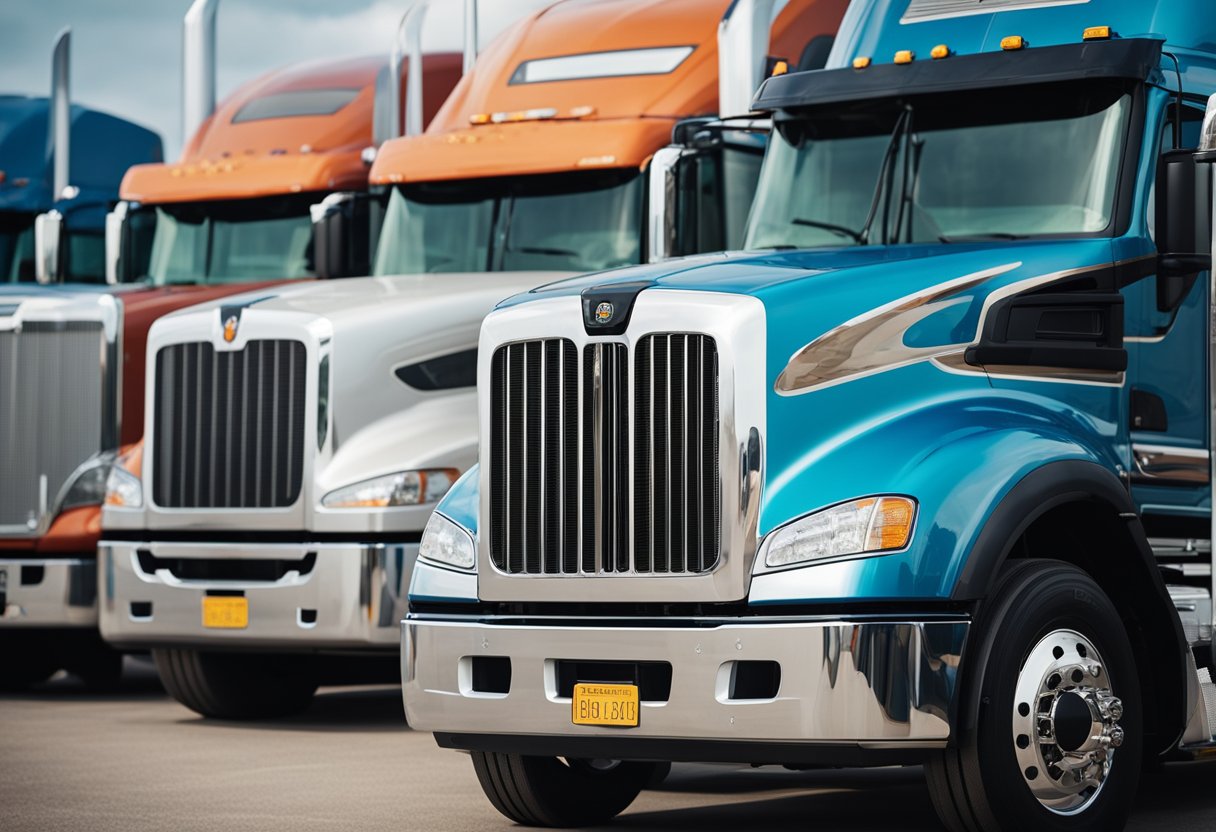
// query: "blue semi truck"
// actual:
[[60, 167], [922, 477]]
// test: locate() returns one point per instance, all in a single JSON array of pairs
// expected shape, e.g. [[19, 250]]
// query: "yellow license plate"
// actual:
[[601, 704], [225, 612]]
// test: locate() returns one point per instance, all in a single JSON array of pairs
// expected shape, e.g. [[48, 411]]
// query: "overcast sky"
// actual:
[[126, 54]]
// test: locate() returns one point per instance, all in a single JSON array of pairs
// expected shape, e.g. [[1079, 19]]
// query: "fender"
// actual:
[[1127, 572], [463, 500], [958, 454]]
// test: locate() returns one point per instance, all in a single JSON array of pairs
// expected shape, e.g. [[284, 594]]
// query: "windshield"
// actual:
[[230, 241], [582, 222], [16, 247], [1006, 163]]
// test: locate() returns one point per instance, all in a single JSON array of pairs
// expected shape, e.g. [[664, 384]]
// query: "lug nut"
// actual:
[[1116, 736]]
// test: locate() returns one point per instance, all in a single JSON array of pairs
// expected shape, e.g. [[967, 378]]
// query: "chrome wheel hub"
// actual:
[[1065, 722]]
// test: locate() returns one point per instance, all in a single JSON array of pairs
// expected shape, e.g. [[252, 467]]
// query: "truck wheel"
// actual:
[[237, 685], [1051, 681], [553, 791]]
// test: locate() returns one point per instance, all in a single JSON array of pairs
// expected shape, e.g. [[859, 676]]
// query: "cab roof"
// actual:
[[103, 147], [585, 83], [298, 129]]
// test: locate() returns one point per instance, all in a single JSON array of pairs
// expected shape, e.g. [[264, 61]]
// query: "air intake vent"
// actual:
[[595, 472], [229, 425]]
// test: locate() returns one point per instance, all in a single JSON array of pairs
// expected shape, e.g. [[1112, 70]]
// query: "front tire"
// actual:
[[554, 792], [237, 685], [1051, 679]]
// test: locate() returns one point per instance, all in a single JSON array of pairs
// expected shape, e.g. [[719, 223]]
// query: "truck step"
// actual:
[[1194, 607]]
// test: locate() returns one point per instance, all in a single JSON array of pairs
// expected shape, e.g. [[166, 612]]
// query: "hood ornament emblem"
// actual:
[[603, 313], [230, 328]]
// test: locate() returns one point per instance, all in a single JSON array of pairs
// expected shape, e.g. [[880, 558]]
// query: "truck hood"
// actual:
[[811, 292], [364, 330]]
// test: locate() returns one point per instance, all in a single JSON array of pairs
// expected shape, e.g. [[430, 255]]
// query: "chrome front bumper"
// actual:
[[349, 597], [879, 685], [39, 592]]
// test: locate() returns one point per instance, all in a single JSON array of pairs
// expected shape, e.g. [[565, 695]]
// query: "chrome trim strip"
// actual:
[[941, 9], [1169, 463], [851, 350]]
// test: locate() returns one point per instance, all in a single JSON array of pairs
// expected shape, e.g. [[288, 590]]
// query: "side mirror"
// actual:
[[116, 222], [340, 235], [1184, 226], [48, 246]]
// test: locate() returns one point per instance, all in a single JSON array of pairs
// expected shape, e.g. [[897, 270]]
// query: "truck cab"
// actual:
[[233, 213], [105, 146], [922, 477], [537, 166]]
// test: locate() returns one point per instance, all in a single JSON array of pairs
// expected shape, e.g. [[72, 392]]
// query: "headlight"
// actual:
[[407, 488], [89, 486], [871, 524], [123, 489], [445, 542]]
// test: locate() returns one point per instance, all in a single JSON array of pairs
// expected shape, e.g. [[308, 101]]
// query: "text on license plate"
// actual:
[[600, 704], [225, 612]]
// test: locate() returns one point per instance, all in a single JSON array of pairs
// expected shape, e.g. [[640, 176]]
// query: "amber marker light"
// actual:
[[479, 118], [1097, 33], [861, 63], [904, 56], [1012, 43], [891, 524], [781, 68], [940, 51]]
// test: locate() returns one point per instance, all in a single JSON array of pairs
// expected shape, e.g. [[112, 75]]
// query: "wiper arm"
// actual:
[[553, 252], [833, 227], [990, 235], [886, 171]]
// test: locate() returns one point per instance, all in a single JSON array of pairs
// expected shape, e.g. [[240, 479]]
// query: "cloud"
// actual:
[[126, 54]]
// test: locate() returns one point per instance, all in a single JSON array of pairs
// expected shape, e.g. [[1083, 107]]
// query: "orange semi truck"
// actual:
[[232, 214]]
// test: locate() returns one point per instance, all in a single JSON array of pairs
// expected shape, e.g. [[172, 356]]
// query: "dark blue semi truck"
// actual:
[[64, 163], [922, 477]]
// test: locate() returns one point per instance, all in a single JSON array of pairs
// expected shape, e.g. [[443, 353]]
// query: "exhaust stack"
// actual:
[[60, 129], [470, 36], [743, 37], [198, 66], [407, 47]]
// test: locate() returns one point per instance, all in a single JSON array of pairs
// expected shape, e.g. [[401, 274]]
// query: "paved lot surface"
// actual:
[[136, 760]]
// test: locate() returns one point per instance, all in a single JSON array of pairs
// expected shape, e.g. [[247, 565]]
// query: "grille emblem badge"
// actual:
[[603, 313], [230, 328]]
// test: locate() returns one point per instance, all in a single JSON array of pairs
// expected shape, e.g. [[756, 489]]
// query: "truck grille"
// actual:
[[561, 501], [229, 426], [51, 391]]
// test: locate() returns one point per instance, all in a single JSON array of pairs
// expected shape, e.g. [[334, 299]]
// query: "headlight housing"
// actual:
[[405, 488], [869, 525], [88, 484], [123, 489], [446, 543]]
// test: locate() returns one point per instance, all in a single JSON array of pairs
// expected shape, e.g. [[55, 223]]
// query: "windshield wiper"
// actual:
[[552, 252], [829, 226], [887, 171], [990, 235]]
